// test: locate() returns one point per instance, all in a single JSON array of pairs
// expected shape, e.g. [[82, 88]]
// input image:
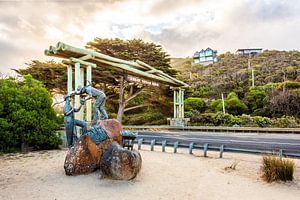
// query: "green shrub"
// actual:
[[262, 121], [149, 117], [275, 169], [247, 120], [233, 105], [26, 115], [197, 118], [285, 122], [194, 103], [216, 105], [225, 119], [255, 99]]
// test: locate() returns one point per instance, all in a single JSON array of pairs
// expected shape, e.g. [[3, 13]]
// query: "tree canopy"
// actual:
[[26, 115]]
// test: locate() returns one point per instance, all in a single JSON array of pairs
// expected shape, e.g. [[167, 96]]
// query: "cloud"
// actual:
[[181, 27]]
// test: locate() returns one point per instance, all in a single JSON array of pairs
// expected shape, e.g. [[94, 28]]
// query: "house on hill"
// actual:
[[205, 57], [249, 51]]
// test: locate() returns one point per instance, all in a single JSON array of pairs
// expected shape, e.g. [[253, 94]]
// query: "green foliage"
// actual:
[[274, 71], [225, 119], [194, 103], [233, 105], [135, 49], [148, 117], [26, 115], [216, 105], [197, 118], [202, 92], [262, 121], [275, 169], [285, 122], [255, 98]]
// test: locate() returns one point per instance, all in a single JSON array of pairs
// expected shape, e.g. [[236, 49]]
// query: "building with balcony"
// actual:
[[205, 57]]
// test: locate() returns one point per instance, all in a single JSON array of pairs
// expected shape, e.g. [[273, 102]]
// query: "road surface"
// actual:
[[255, 141]]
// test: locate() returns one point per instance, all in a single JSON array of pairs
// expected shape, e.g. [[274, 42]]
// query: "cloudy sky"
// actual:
[[180, 26]]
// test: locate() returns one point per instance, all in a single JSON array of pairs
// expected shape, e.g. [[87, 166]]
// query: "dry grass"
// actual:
[[231, 167], [275, 169]]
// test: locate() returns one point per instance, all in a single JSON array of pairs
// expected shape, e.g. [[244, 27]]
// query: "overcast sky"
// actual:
[[180, 26]]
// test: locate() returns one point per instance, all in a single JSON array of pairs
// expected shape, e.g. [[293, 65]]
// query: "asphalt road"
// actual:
[[252, 141]]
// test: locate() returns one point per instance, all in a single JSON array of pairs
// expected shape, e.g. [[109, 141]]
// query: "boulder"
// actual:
[[119, 163], [85, 155], [114, 129], [82, 157]]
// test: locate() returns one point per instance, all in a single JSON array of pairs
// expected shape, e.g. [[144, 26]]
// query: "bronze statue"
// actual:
[[70, 122], [99, 104]]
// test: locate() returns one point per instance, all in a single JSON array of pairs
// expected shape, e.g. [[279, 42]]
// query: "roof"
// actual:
[[250, 49], [88, 57]]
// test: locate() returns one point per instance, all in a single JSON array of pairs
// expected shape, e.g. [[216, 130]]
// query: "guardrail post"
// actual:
[[205, 148], [140, 142], [152, 144], [175, 147], [221, 151], [280, 153], [163, 144], [191, 148]]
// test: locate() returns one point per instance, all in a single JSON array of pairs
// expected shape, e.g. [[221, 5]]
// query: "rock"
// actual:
[[85, 155], [82, 157], [114, 129], [120, 163]]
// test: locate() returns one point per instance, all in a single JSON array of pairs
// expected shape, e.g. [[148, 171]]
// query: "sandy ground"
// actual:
[[40, 175]]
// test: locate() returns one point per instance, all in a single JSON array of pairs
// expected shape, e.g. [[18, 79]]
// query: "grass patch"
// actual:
[[231, 167], [277, 169]]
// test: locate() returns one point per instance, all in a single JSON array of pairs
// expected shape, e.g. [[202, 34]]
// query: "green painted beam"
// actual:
[[137, 68]]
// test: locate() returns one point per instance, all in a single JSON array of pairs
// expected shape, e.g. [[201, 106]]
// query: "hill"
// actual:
[[231, 72], [276, 77]]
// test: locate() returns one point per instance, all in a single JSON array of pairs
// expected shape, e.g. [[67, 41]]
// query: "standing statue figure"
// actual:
[[69, 120], [99, 104]]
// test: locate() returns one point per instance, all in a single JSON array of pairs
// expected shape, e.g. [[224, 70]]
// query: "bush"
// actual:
[[247, 120], [26, 115], [149, 117], [275, 169], [197, 118], [225, 119], [285, 122], [262, 121], [233, 105], [194, 103]]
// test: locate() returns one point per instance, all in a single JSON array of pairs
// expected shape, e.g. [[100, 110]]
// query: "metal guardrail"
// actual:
[[219, 129], [206, 147]]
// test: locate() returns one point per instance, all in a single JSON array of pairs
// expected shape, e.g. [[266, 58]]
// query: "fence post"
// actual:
[[221, 151], [191, 148], [164, 145], [152, 144], [205, 148], [175, 147], [140, 142], [280, 153]]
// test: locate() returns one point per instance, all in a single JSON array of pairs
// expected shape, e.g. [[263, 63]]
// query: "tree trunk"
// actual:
[[122, 101]]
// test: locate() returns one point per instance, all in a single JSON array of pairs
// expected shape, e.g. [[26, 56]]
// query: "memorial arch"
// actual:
[[82, 61]]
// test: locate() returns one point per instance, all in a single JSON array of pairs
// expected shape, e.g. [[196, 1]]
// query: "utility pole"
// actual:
[[223, 104], [252, 70], [252, 73]]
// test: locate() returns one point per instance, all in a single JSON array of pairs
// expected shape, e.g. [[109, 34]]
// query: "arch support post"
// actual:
[[178, 104]]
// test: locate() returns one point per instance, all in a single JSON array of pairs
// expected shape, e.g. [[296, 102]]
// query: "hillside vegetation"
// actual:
[[277, 84]]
